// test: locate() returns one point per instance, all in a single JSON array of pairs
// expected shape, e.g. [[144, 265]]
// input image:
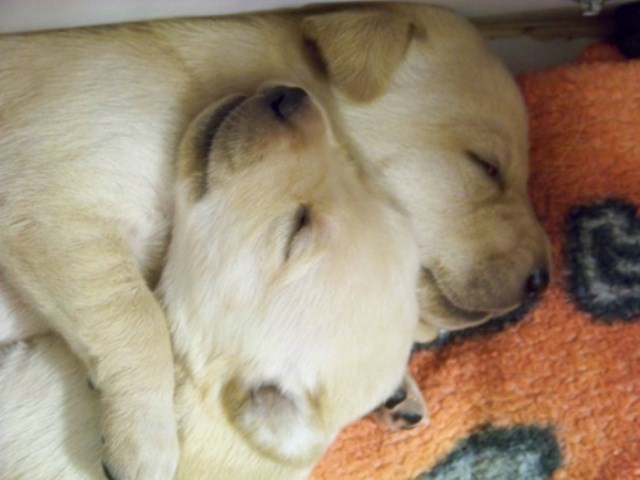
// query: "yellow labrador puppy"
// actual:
[[91, 118], [290, 296]]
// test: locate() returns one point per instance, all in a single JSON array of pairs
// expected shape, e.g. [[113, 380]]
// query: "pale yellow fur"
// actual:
[[262, 326], [90, 124]]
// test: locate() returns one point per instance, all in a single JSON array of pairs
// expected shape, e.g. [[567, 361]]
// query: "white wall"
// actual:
[[25, 15]]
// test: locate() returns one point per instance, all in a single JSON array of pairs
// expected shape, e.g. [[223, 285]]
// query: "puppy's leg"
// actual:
[[405, 408], [78, 273]]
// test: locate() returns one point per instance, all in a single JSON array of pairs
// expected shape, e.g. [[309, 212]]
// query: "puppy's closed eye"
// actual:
[[491, 170], [301, 222]]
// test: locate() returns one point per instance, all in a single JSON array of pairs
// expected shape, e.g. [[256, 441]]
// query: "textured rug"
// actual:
[[553, 392]]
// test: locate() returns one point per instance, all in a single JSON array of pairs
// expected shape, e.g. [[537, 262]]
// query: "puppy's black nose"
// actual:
[[409, 418], [284, 101], [537, 282]]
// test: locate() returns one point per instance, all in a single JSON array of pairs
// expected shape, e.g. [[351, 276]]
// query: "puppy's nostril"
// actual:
[[399, 396], [411, 418], [284, 101], [537, 282]]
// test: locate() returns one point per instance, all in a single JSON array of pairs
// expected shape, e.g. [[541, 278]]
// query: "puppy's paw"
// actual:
[[405, 409], [140, 440]]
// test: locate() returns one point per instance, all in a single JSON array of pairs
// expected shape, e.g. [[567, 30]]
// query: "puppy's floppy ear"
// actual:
[[361, 48], [193, 156], [193, 152], [282, 425]]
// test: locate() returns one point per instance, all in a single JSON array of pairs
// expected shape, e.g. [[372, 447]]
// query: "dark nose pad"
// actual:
[[284, 101], [410, 418], [399, 396], [537, 283]]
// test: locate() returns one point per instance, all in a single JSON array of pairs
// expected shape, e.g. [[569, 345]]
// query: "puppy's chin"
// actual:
[[440, 313]]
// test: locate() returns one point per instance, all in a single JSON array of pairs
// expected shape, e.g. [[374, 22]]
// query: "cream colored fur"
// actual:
[[263, 311], [90, 122]]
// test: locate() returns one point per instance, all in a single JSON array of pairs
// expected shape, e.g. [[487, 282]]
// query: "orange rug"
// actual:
[[557, 393]]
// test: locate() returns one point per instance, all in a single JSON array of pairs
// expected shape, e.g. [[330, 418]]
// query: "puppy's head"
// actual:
[[290, 280], [423, 98]]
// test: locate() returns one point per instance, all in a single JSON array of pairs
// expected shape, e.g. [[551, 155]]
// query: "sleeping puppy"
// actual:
[[284, 250], [91, 118], [455, 153]]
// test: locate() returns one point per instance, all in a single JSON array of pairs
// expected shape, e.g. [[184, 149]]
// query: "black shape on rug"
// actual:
[[528, 452], [603, 259]]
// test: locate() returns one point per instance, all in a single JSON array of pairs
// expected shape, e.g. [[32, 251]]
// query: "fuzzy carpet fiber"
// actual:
[[555, 392]]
